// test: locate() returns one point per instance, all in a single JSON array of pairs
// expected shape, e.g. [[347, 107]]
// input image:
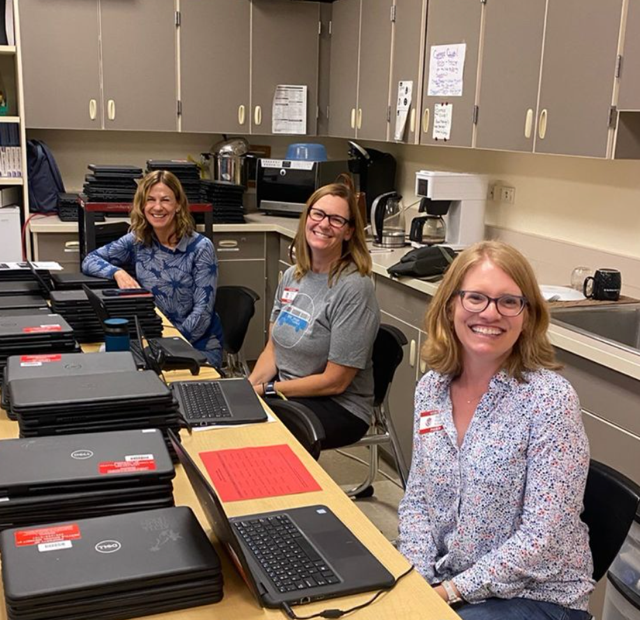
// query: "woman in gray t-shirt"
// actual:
[[325, 319]]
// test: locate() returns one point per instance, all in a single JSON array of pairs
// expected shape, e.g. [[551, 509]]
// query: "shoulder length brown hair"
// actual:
[[442, 350], [142, 230], [355, 253]]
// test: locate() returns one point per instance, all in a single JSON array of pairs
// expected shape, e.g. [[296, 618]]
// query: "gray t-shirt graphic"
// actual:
[[313, 324]]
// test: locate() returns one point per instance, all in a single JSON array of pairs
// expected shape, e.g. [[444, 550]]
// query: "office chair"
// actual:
[[611, 501], [235, 306], [305, 426]]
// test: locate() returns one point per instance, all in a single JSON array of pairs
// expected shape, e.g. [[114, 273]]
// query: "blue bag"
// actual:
[[45, 181]]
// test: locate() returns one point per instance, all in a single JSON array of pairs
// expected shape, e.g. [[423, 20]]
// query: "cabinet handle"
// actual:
[[257, 115], [412, 120], [412, 354], [241, 111], [423, 367], [280, 274], [111, 110], [353, 118], [542, 124], [359, 118], [528, 123], [425, 120], [93, 109]]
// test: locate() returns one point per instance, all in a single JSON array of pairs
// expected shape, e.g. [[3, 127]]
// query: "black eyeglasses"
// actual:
[[335, 221], [506, 305]]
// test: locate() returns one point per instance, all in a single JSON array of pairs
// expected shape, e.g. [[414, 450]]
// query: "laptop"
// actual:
[[328, 560]]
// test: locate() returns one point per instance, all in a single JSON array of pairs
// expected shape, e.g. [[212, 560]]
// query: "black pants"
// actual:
[[341, 427]]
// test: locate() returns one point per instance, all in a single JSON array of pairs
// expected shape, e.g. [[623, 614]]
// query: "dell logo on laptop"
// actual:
[[108, 546], [81, 455]]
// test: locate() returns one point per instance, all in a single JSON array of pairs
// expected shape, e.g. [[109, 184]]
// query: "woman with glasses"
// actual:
[[491, 514], [324, 320]]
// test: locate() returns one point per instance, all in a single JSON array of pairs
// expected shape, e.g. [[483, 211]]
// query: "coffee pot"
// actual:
[[387, 221], [428, 229]]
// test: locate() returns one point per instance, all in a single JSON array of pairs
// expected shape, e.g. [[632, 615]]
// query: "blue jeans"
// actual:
[[519, 609]]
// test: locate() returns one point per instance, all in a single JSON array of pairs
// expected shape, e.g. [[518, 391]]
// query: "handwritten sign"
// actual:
[[446, 70], [442, 117]]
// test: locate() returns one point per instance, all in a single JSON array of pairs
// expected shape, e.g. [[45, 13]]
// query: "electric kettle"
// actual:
[[387, 221]]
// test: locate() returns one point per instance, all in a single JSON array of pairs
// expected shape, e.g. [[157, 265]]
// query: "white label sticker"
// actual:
[[27, 364], [148, 430], [139, 457], [4, 499], [54, 546]]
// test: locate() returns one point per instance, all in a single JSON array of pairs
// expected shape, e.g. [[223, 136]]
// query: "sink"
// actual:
[[613, 324]]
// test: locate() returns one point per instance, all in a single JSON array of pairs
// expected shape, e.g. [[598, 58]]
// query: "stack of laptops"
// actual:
[[61, 365], [187, 172], [34, 334], [69, 281], [226, 199], [120, 566], [21, 272], [94, 403], [78, 311], [111, 183], [86, 475], [68, 205]]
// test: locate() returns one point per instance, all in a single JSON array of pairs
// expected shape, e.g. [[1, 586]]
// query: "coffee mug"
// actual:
[[605, 285]]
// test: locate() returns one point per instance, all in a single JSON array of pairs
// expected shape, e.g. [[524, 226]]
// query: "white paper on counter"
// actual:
[[446, 70], [289, 114], [405, 93], [48, 265], [442, 117]]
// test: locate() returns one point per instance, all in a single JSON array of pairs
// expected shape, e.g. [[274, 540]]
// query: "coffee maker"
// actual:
[[459, 199], [374, 171]]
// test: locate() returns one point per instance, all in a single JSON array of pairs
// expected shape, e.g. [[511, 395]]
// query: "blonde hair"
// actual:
[[140, 227], [354, 250], [442, 350]]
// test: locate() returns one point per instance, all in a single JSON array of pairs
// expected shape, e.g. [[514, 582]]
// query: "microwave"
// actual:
[[284, 186]]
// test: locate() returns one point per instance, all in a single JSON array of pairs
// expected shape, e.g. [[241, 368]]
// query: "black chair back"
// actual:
[[611, 502], [301, 422], [235, 306], [387, 356]]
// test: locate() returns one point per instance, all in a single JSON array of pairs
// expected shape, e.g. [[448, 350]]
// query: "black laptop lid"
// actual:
[[97, 304], [79, 458], [39, 324], [76, 280], [22, 301], [103, 554]]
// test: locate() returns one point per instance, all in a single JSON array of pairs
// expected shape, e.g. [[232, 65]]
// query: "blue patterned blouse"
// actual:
[[183, 282], [500, 515]]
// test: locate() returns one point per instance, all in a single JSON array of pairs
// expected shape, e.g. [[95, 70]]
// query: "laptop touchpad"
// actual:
[[339, 544]]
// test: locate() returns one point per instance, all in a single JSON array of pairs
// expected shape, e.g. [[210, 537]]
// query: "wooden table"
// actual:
[[411, 599]]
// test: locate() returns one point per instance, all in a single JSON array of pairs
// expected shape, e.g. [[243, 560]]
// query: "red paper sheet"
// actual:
[[265, 471]]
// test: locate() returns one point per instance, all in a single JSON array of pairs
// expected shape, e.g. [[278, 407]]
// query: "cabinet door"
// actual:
[[510, 74], [343, 84], [452, 22], [60, 60], [578, 74], [373, 72], [139, 64], [629, 96], [214, 65], [285, 50], [407, 61]]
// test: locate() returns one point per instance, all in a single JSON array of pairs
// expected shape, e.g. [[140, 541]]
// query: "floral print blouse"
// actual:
[[500, 514]]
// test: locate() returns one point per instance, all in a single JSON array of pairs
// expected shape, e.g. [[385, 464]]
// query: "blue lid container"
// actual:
[[306, 151]]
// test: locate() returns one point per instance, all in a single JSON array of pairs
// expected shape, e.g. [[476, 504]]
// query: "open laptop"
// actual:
[[291, 556]]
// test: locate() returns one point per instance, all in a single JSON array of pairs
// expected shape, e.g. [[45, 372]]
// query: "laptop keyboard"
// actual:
[[203, 400], [285, 554]]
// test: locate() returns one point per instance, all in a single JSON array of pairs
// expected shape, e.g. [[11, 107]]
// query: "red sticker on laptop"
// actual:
[[40, 535], [37, 360], [430, 421], [126, 467], [39, 329]]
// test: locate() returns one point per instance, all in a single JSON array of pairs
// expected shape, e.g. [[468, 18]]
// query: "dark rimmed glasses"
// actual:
[[506, 305], [335, 221]]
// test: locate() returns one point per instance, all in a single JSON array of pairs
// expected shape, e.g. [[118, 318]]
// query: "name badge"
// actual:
[[289, 295], [430, 422]]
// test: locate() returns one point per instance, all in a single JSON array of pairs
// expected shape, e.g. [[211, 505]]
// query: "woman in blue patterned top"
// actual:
[[177, 264], [491, 514]]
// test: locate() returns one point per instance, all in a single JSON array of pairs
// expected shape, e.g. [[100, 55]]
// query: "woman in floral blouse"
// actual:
[[491, 514], [175, 263]]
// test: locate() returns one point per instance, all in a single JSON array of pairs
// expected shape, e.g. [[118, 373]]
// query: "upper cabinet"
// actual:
[[220, 102], [60, 60], [360, 68], [629, 97], [451, 68], [70, 44]]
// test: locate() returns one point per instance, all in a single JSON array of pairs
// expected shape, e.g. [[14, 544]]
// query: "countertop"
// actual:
[[613, 357]]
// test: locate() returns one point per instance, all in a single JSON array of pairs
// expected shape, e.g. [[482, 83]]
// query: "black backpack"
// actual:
[[429, 262], [45, 182]]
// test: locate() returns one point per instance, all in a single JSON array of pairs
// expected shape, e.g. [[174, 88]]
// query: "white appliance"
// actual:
[[460, 198], [10, 235]]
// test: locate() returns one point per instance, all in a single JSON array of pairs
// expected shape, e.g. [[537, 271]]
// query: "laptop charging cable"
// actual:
[[338, 613]]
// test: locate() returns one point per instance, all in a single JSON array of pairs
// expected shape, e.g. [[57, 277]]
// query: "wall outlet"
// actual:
[[507, 194], [493, 191]]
